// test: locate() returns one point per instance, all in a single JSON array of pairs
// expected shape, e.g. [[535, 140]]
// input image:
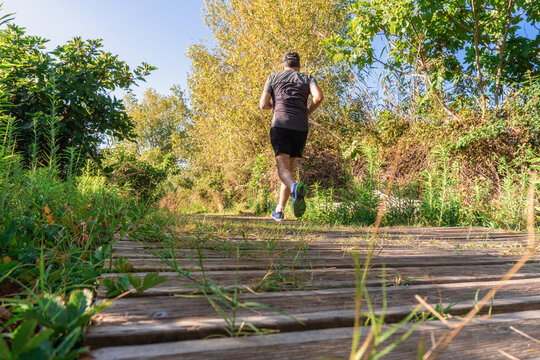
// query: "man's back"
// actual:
[[290, 90]]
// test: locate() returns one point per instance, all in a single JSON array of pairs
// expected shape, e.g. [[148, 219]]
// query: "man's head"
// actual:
[[291, 60]]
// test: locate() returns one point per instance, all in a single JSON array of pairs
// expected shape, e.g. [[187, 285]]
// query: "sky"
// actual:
[[154, 31]]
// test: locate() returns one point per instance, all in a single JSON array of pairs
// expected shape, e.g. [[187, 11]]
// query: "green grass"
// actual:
[[58, 223]]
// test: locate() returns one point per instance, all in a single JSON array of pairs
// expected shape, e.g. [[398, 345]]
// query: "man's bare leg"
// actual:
[[285, 190], [283, 162]]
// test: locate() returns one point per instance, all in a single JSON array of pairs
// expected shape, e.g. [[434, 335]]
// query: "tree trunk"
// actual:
[[479, 75], [502, 48]]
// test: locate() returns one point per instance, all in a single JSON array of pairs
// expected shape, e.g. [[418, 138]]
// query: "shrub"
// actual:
[[126, 168]]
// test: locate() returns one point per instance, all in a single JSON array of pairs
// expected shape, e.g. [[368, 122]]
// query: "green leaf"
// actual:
[[21, 336], [43, 352], [135, 281], [38, 339], [79, 302], [4, 350], [112, 290], [68, 342], [151, 280], [123, 282], [51, 311]]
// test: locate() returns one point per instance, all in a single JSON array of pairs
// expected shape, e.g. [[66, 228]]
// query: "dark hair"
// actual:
[[291, 59]]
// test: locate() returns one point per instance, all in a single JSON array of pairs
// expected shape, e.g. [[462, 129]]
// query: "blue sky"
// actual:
[[154, 31], [157, 32]]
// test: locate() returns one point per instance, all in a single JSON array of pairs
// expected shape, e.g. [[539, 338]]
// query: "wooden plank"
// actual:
[[251, 233], [389, 245], [152, 264], [322, 263], [156, 331], [347, 236], [292, 302], [312, 251], [488, 336], [293, 251], [290, 251], [133, 319], [360, 237], [302, 279]]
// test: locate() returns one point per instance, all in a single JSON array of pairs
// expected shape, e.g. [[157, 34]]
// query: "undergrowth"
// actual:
[[59, 218], [439, 197]]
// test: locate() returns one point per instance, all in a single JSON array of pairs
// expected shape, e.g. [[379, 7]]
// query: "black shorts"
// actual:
[[286, 141]]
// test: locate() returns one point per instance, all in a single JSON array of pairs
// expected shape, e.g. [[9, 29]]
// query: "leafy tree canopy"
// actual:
[[161, 122], [467, 46], [226, 82], [71, 86]]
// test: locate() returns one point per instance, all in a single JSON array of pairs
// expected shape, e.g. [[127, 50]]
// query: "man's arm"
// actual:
[[265, 103], [318, 97]]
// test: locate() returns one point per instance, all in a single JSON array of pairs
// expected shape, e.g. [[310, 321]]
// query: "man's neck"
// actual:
[[288, 68]]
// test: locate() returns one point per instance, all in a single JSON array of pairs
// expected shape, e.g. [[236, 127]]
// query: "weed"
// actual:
[[225, 303], [57, 227], [373, 346], [227, 306], [121, 284], [121, 265], [63, 325]]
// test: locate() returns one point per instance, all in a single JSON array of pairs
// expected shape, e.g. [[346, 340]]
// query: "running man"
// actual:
[[287, 92]]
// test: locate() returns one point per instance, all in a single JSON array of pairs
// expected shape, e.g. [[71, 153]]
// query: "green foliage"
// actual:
[[64, 317], [57, 226], [508, 209], [440, 196], [63, 324], [358, 202], [229, 132], [441, 203], [71, 85], [121, 284], [26, 344], [126, 168], [459, 42], [258, 184], [121, 265], [161, 123], [356, 205], [402, 207]]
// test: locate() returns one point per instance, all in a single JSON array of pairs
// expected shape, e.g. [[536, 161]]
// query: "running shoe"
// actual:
[[298, 192], [278, 216]]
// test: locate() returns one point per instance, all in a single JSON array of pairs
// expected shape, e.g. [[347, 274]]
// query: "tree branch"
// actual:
[[463, 26], [502, 48], [479, 75]]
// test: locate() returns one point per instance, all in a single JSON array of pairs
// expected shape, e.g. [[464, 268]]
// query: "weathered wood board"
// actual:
[[213, 264], [310, 281], [189, 318], [327, 278], [483, 339]]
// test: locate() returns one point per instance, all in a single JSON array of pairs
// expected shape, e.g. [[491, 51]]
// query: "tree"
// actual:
[[69, 89], [466, 47], [229, 130], [161, 122]]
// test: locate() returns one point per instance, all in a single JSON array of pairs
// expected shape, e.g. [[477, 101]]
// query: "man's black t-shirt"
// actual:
[[290, 90]]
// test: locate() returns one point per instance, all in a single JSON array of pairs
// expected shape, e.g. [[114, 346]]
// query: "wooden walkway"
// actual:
[[309, 278]]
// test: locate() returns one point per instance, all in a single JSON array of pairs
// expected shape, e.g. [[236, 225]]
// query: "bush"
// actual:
[[127, 169], [56, 230]]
